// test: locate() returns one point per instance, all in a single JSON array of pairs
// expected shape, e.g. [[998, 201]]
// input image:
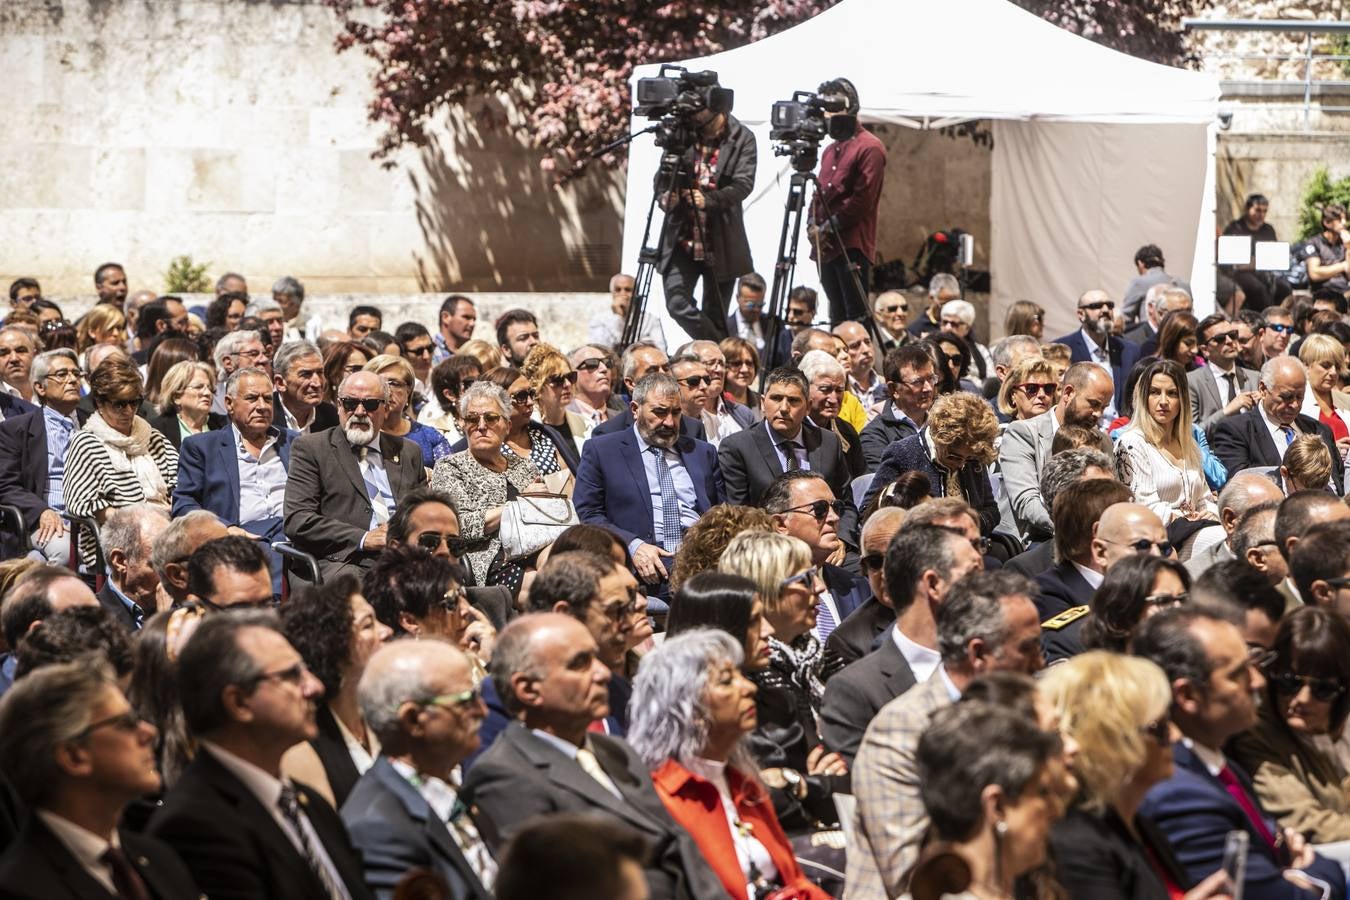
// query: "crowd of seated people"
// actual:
[[390, 610]]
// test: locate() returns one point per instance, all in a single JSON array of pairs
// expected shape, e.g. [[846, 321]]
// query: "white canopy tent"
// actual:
[[1095, 152]]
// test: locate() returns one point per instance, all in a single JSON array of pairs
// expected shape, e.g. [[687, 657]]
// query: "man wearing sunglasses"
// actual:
[[649, 483], [594, 399], [1215, 684], [243, 828], [1221, 387], [1321, 566], [1277, 330], [419, 699], [77, 755], [1094, 342], [638, 361], [1261, 435], [346, 482]]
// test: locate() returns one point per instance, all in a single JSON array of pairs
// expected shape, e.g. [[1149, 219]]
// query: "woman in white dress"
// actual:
[[1157, 455]]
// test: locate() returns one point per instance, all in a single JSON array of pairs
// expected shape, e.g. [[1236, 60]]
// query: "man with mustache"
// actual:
[[345, 482], [1095, 343]]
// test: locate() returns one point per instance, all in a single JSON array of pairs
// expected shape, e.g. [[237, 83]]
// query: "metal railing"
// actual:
[[1308, 57]]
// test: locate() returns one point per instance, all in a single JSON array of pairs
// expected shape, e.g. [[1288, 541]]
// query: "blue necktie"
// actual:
[[825, 622], [380, 502], [1288, 434], [670, 503]]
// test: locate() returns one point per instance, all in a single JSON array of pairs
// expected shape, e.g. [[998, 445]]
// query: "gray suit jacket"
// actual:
[[854, 695], [1021, 457], [1201, 562], [327, 506], [1206, 401]]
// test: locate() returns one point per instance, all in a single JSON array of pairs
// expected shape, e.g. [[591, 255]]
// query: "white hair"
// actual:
[[959, 309], [480, 390], [1268, 370], [229, 345], [394, 675], [942, 281], [815, 363]]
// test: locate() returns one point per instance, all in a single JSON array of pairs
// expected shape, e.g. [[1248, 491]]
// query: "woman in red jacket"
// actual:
[[690, 712]]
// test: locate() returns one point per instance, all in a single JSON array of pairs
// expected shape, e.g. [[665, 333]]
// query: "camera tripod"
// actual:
[[785, 268]]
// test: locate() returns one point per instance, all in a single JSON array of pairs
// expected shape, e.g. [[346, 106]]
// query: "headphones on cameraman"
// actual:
[[843, 125]]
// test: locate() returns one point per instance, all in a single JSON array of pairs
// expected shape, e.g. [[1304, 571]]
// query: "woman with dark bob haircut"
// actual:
[[335, 632], [417, 594], [1289, 754], [1135, 588]]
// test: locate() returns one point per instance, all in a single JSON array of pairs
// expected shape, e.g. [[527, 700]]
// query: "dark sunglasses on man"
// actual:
[[369, 404], [430, 541], [819, 509]]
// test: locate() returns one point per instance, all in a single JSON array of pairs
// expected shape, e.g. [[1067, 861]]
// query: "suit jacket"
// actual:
[[1096, 856], [780, 354], [395, 830], [1122, 353], [1021, 458], [116, 608], [523, 776], [623, 421], [167, 425], [749, 463], [911, 453], [884, 430], [1211, 556], [233, 846], [11, 405], [1034, 560], [1060, 587], [208, 475], [854, 696], [1142, 334], [1243, 442], [891, 818], [24, 476], [1207, 402], [848, 590], [611, 488], [39, 867], [725, 235], [325, 415], [857, 635], [1195, 812], [327, 508]]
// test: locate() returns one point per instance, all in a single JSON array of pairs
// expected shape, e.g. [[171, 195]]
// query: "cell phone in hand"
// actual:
[[1235, 861]]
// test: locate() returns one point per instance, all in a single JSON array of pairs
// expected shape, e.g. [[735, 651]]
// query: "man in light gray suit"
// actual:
[[1221, 387], [1243, 491], [1087, 391]]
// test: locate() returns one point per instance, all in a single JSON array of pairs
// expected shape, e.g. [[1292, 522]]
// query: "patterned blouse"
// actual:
[[543, 452], [476, 490]]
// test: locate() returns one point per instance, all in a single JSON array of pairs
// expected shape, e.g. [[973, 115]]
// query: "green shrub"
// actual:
[[1319, 191], [184, 277]]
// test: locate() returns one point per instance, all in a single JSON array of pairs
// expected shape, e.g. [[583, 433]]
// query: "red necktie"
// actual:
[[1244, 800]]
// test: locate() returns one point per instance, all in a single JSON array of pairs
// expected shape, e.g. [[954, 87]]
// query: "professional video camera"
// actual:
[[675, 99], [799, 124]]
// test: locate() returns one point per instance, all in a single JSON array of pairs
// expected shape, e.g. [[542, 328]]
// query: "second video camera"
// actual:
[[800, 124]]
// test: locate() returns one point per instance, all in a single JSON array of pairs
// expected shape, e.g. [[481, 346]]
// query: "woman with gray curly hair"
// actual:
[[690, 713]]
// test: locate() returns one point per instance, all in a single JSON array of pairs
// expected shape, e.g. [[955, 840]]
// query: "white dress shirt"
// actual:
[[923, 661], [87, 847], [1280, 438], [262, 479], [1091, 576], [798, 448]]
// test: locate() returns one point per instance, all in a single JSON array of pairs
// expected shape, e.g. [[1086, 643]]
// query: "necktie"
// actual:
[[378, 505], [1288, 434], [825, 622], [137, 616], [670, 502], [1231, 378], [125, 878], [1239, 793], [290, 808], [591, 766], [790, 454]]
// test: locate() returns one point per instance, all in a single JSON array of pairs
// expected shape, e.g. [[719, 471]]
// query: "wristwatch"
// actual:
[[795, 783]]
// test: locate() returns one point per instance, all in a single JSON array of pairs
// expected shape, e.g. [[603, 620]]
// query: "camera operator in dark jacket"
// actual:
[[705, 232], [845, 207]]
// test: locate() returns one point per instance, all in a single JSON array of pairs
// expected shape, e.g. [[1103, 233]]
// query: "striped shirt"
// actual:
[[92, 485]]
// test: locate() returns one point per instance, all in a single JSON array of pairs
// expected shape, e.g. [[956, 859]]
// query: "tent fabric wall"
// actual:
[[1072, 202]]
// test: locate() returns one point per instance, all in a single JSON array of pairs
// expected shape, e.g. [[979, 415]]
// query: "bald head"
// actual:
[[880, 527], [100, 353], [1085, 395], [1283, 381], [1242, 492], [1122, 531], [396, 685]]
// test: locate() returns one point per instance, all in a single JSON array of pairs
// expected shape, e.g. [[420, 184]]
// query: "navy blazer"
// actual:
[[395, 830], [208, 475], [1195, 812], [909, 453], [1060, 587], [11, 405], [612, 491], [1122, 353], [848, 590], [622, 421], [1243, 441]]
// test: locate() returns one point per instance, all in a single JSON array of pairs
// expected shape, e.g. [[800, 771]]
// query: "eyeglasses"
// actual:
[[926, 381], [1324, 689], [65, 375], [520, 398], [806, 579], [472, 421], [872, 562], [470, 697], [617, 612], [1163, 601], [981, 543], [251, 354], [261, 603], [695, 381], [590, 365], [418, 351], [131, 403], [1337, 582], [1101, 304], [1279, 328], [290, 675], [1032, 388], [952, 323], [819, 509], [1160, 731], [1261, 657], [1144, 545], [431, 541], [558, 381], [369, 404], [1223, 338], [127, 721]]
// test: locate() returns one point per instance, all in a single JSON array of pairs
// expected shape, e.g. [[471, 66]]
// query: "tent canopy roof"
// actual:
[[957, 60]]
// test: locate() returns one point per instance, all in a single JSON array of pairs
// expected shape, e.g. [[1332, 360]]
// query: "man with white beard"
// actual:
[[345, 482], [1094, 342]]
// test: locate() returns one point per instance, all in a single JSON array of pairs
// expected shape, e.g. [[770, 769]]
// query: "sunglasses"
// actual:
[[451, 599], [520, 398], [872, 562], [1144, 545], [430, 541], [695, 381], [1104, 304], [558, 381], [1032, 388], [1223, 338], [806, 579], [1324, 689], [124, 405], [892, 310], [472, 421], [590, 365], [952, 323], [369, 404], [1280, 328], [820, 509], [418, 351]]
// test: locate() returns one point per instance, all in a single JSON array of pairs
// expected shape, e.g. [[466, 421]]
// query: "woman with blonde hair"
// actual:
[[397, 373], [1324, 358], [488, 356], [184, 406], [554, 382], [1307, 465], [1117, 709], [1157, 455], [1029, 389], [954, 449], [104, 324], [1025, 317]]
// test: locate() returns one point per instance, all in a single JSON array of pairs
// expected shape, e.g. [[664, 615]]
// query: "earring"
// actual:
[[1001, 829], [1000, 832]]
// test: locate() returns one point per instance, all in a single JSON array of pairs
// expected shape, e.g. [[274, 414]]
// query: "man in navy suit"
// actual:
[[648, 483], [748, 321], [1095, 343], [640, 360], [239, 472], [1215, 685], [1070, 582]]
